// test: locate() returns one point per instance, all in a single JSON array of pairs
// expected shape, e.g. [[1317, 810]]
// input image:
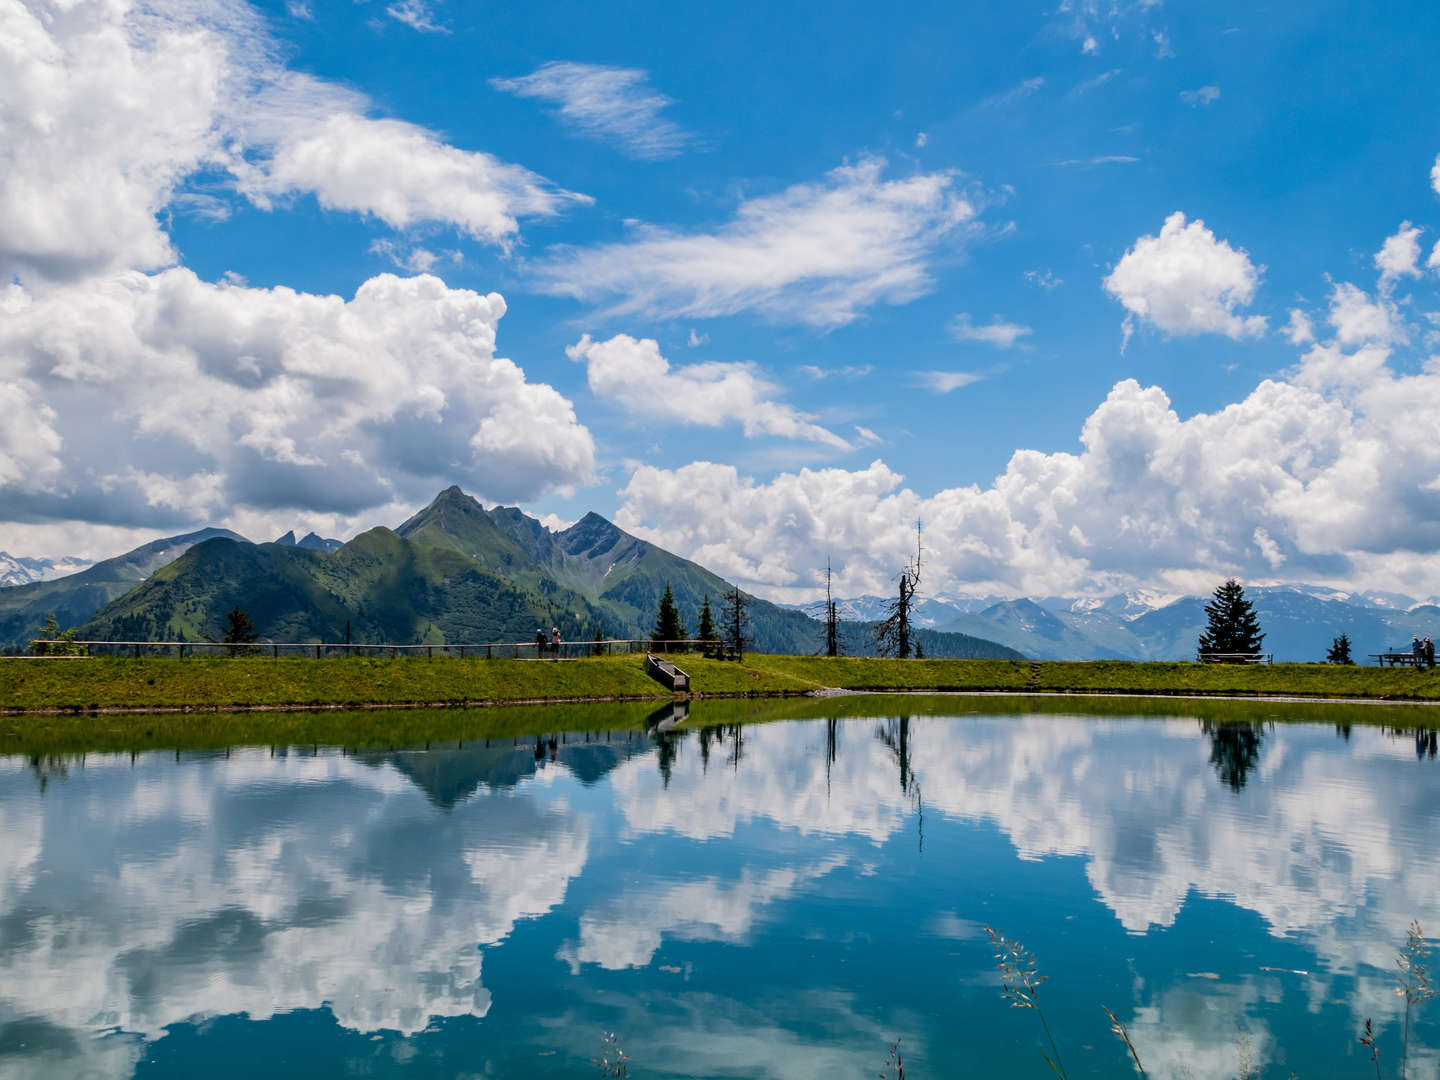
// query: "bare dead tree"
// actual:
[[735, 620], [893, 637], [832, 618]]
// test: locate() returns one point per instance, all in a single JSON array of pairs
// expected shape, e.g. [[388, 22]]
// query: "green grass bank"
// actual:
[[218, 684]]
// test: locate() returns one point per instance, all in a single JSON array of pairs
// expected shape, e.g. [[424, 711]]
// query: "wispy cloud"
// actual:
[[1092, 84], [416, 14], [817, 254], [1001, 334], [1015, 93], [1046, 280], [1103, 159], [610, 104], [850, 371], [942, 382], [1203, 96]]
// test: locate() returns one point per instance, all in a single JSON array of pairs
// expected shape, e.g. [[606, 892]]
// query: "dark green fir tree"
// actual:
[[668, 626], [1339, 650], [1231, 630], [706, 633]]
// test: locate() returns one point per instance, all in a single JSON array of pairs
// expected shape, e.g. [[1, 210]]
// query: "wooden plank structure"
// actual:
[[1407, 658], [1235, 658], [666, 673]]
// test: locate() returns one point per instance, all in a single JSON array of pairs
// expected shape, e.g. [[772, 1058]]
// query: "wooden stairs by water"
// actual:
[[666, 673]]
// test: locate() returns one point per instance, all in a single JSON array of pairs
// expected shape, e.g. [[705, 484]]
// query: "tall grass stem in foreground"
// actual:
[[894, 1061], [1021, 988], [1124, 1036], [1367, 1040], [612, 1062], [1414, 979]]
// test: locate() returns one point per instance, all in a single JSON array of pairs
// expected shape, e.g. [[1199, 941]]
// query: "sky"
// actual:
[[1119, 295]]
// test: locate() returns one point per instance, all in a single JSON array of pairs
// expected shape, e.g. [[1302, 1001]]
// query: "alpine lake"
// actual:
[[733, 889]]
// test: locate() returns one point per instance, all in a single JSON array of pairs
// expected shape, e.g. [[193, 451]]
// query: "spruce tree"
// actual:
[[1231, 625], [1339, 650], [239, 630], [706, 632], [668, 626]]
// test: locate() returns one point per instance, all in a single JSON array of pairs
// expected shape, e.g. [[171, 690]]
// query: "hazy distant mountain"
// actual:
[[312, 542], [22, 570], [1300, 621], [76, 597], [455, 572]]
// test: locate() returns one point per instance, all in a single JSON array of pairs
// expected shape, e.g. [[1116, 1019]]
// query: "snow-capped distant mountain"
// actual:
[[1126, 605], [22, 570]]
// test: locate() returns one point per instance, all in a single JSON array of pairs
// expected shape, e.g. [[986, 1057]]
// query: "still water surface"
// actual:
[[769, 900]]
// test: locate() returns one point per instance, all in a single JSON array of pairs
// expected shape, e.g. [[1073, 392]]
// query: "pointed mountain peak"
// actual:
[[450, 501], [288, 540], [593, 535]]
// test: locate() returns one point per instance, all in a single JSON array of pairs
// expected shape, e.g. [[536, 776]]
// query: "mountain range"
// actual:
[[454, 572], [19, 570], [1300, 622]]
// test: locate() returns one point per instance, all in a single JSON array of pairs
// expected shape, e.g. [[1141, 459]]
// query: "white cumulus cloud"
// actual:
[[817, 254], [269, 398], [1186, 281], [1299, 477], [109, 107], [1399, 256], [606, 103], [633, 373]]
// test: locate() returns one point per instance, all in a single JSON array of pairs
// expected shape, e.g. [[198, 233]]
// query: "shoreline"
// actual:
[[820, 693], [205, 686]]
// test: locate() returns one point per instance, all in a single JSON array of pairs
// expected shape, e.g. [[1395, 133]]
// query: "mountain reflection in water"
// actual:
[[778, 899]]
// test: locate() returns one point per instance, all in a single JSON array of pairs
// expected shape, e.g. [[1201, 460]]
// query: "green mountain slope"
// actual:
[[456, 573], [76, 597], [386, 588]]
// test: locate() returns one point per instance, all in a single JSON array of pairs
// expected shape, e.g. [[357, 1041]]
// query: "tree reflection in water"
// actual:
[[1234, 749]]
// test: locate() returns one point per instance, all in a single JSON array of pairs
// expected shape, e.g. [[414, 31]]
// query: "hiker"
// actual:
[[540, 643], [555, 640], [1429, 653]]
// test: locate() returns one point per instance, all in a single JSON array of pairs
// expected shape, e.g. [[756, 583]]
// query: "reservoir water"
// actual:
[[776, 899]]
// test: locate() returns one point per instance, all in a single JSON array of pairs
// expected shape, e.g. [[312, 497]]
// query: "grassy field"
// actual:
[[258, 682], [216, 684]]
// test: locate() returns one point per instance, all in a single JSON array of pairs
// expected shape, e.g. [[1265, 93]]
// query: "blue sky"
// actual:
[[776, 281]]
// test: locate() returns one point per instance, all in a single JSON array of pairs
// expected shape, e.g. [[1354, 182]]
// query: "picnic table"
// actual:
[[1393, 659]]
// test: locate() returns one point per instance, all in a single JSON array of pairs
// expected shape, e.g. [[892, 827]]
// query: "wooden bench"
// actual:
[[1235, 658]]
